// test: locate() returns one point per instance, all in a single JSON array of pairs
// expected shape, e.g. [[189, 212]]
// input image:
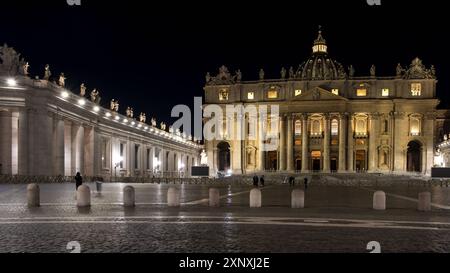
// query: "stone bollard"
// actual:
[[379, 200], [83, 196], [33, 195], [214, 197], [424, 201], [255, 198], [173, 197], [298, 199], [128, 196]]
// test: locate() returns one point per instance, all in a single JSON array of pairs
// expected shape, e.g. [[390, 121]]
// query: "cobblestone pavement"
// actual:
[[336, 219]]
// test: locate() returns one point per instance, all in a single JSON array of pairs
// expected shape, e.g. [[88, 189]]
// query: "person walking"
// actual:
[[255, 181], [305, 181], [261, 180], [78, 180]]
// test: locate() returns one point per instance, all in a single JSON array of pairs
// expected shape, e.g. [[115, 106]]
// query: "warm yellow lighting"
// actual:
[[416, 89], [316, 154], [81, 102], [117, 118], [133, 123], [65, 94], [125, 120], [96, 108], [385, 92], [251, 95], [335, 91], [297, 92], [108, 114], [361, 92], [272, 94], [223, 94]]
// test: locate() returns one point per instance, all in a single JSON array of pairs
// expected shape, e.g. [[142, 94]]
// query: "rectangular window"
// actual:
[[272, 94], [297, 92], [223, 95], [361, 92], [416, 89], [385, 92], [335, 91], [251, 95]]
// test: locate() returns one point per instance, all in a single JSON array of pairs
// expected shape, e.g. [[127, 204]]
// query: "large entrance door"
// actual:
[[271, 162], [360, 160], [333, 164], [223, 154], [298, 164], [414, 163]]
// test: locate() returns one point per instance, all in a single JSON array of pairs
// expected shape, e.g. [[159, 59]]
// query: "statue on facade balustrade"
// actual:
[[372, 71], [351, 71], [399, 70], [62, 80], [47, 72], [208, 77], [82, 90], [25, 68], [116, 106], [163, 126], [171, 129], [153, 122], [142, 117], [261, 74], [283, 73], [129, 112], [112, 105], [291, 73], [95, 97], [238, 75]]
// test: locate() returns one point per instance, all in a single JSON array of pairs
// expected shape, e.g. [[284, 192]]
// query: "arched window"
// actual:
[[334, 127], [298, 127]]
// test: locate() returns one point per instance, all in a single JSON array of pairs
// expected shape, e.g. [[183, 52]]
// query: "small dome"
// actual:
[[319, 66]]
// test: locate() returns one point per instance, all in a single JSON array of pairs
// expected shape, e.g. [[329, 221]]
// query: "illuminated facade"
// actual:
[[332, 120], [46, 130]]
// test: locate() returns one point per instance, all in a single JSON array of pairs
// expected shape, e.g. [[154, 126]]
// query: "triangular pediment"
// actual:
[[318, 93]]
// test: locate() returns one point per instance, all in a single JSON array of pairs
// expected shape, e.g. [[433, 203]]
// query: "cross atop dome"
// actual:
[[320, 45]]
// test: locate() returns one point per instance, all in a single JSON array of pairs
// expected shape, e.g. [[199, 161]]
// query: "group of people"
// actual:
[[291, 180], [257, 179]]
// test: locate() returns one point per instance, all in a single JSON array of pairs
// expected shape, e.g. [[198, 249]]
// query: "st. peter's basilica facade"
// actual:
[[331, 120]]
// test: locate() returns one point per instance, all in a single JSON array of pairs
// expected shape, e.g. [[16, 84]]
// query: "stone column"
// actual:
[[130, 158], [342, 142], [40, 140], [326, 144], [15, 143], [350, 144], [305, 145], [261, 151], [92, 152], [282, 143], [400, 144], [79, 144], [23, 142], [5, 142], [428, 133], [59, 151], [290, 143], [373, 136], [68, 149]]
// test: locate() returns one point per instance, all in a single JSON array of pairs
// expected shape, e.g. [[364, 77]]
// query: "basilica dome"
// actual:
[[320, 66]]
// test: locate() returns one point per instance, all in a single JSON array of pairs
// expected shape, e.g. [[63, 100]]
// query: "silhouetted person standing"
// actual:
[[255, 181], [78, 180], [261, 180], [305, 181]]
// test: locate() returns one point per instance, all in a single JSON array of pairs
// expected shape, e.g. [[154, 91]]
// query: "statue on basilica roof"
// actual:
[[351, 71], [82, 90], [11, 63], [283, 73], [47, 72], [95, 97], [261, 74], [399, 70], [372, 71], [142, 117], [153, 122], [417, 70], [62, 80]]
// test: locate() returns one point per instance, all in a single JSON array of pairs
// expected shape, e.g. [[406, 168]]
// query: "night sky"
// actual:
[[153, 56]]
